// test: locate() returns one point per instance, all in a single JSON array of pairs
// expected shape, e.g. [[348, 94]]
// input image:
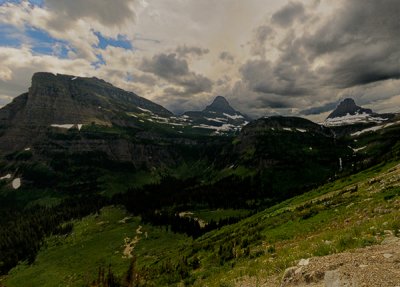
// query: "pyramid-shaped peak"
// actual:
[[220, 105], [348, 107], [348, 101]]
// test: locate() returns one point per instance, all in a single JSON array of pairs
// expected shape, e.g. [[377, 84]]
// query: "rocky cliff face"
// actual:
[[67, 114], [59, 100], [63, 99]]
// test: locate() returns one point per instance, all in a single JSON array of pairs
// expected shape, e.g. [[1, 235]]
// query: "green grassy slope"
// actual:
[[96, 241], [352, 212]]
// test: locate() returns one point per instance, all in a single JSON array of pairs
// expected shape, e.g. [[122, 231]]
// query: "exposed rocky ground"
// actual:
[[377, 265]]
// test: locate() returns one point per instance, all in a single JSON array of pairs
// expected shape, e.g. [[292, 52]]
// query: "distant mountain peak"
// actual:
[[348, 107], [220, 105]]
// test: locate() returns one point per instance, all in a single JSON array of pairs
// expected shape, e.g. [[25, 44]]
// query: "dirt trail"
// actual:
[[372, 266], [129, 244]]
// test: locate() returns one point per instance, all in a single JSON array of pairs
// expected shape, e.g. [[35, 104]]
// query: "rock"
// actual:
[[390, 240], [289, 274], [314, 276], [334, 278], [304, 262], [387, 255]]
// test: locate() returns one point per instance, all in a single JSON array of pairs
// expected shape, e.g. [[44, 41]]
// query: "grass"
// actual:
[[120, 182], [208, 215], [325, 221], [96, 241], [333, 218], [74, 260]]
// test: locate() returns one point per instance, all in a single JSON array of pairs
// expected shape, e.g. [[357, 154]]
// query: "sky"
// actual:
[[267, 57]]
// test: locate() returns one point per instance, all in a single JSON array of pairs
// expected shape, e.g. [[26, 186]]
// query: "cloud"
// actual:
[[362, 47], [176, 71], [288, 14], [167, 66], [227, 57], [184, 51], [263, 77], [108, 13], [266, 56], [261, 35], [320, 109]]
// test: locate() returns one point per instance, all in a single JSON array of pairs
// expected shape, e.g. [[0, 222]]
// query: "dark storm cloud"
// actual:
[[288, 14], [364, 39], [274, 104], [167, 66], [261, 35], [263, 77], [184, 51], [176, 71], [227, 57], [321, 109], [356, 48]]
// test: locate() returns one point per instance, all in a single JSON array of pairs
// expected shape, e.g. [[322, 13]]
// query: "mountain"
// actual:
[[219, 116], [64, 101], [348, 107], [220, 105], [348, 113], [100, 187], [278, 146]]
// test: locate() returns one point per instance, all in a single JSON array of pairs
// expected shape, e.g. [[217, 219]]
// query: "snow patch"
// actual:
[[132, 115], [374, 129], [358, 149], [224, 127], [215, 120], [145, 110], [301, 130], [66, 126], [160, 119], [352, 119], [287, 129], [7, 176], [233, 117], [16, 183], [176, 124], [74, 78], [27, 149], [80, 126]]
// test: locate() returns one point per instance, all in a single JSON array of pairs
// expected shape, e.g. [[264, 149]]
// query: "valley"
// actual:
[[100, 187]]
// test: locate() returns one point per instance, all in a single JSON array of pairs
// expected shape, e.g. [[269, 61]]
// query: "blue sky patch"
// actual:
[[10, 36], [33, 2], [98, 63], [39, 41], [43, 43], [121, 41]]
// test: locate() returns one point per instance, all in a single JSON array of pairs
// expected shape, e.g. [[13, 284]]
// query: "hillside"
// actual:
[[353, 212], [208, 198], [347, 113]]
